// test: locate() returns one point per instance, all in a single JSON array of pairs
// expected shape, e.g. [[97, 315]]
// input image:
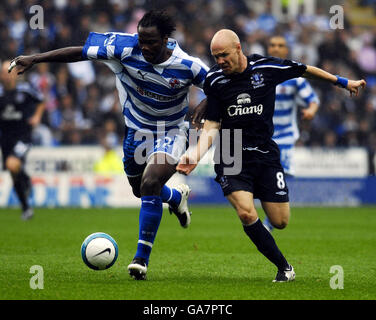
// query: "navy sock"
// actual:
[[170, 195], [265, 243], [150, 218], [22, 186]]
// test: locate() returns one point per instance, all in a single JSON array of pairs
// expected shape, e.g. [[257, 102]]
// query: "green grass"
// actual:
[[212, 260]]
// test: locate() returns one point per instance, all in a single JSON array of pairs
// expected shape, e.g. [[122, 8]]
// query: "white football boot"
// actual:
[[182, 211], [137, 269]]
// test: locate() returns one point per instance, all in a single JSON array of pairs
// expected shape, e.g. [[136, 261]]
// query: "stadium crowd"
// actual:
[[80, 98]]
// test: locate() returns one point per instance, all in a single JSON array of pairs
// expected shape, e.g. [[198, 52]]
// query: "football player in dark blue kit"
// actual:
[[241, 96], [21, 108]]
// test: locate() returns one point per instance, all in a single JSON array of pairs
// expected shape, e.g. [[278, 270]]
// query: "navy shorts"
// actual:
[[266, 182], [17, 148]]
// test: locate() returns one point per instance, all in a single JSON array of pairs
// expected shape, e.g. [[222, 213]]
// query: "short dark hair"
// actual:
[[160, 19]]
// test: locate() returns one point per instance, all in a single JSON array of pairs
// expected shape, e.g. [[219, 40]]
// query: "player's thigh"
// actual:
[[277, 212], [242, 201]]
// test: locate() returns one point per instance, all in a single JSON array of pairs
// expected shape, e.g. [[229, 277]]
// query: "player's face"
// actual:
[[278, 48], [152, 45], [228, 59]]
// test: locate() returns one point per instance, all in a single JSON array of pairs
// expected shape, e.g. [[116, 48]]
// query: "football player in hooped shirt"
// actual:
[[241, 95], [153, 76]]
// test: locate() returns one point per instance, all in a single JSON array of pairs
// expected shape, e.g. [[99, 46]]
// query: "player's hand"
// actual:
[[186, 165], [198, 115], [35, 120], [308, 114], [354, 85], [21, 63]]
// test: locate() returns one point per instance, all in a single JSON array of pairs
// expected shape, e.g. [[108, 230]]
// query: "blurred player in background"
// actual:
[[241, 96], [21, 109], [289, 95], [153, 76]]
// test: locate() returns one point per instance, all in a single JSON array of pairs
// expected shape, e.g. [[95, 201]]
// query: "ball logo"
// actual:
[[99, 251], [103, 251]]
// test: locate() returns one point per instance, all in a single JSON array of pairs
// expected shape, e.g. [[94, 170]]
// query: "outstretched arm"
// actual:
[[68, 54], [192, 157], [352, 86]]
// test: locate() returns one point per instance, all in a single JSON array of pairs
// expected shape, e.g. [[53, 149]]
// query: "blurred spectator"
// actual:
[[45, 81], [330, 139], [305, 50], [266, 21], [110, 163], [367, 55], [17, 26], [101, 23]]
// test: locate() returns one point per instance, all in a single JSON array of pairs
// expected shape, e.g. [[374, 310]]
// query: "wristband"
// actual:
[[341, 82]]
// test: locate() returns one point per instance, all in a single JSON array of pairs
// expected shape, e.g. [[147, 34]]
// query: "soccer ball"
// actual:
[[99, 251]]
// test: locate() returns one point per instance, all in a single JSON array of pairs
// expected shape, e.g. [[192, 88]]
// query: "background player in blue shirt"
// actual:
[[240, 95], [289, 96], [153, 76]]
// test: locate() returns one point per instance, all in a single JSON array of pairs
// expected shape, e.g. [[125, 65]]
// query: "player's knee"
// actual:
[[247, 216], [280, 225], [281, 222], [150, 186], [13, 165]]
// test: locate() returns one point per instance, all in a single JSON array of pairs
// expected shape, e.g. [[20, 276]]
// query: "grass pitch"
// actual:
[[211, 260]]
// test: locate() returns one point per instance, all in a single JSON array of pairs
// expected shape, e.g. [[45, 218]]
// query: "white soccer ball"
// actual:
[[99, 251]]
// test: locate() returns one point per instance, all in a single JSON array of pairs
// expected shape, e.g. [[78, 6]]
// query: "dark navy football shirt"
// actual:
[[246, 101], [16, 107]]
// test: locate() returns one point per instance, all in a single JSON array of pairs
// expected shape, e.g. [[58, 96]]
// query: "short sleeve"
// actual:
[[107, 46], [200, 70], [34, 94], [281, 69]]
